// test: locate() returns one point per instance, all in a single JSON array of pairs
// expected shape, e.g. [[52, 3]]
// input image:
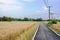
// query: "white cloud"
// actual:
[[8, 5], [45, 8], [28, 0], [8, 1]]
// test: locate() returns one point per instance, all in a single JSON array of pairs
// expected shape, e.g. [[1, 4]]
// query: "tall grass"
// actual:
[[17, 30], [28, 34], [56, 27]]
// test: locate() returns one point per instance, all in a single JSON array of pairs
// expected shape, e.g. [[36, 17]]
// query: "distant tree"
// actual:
[[19, 19], [4, 18], [32, 19], [10, 19], [0, 18], [39, 19], [25, 19]]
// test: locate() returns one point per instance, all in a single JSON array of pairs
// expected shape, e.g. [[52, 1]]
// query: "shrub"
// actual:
[[49, 24], [54, 21]]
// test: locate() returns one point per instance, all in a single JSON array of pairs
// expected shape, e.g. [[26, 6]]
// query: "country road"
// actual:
[[44, 33]]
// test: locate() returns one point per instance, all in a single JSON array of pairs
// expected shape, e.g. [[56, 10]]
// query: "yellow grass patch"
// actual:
[[56, 27], [12, 30]]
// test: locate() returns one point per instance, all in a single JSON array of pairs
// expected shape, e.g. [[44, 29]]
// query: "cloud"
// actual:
[[9, 5], [8, 1], [28, 0], [45, 8]]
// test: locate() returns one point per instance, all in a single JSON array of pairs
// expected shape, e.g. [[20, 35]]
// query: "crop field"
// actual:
[[56, 27], [17, 30]]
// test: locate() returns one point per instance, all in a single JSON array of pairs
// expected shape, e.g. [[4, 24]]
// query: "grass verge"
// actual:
[[55, 27], [57, 30]]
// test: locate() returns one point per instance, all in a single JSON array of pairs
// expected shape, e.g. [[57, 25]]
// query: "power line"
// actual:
[[49, 7], [55, 13], [45, 2]]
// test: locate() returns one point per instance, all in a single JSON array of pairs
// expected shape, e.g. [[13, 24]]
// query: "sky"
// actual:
[[29, 8]]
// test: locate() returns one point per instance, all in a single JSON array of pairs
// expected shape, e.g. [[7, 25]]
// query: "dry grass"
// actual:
[[28, 34], [56, 27], [11, 30]]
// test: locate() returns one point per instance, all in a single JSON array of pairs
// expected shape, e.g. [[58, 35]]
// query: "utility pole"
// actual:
[[49, 7], [52, 15]]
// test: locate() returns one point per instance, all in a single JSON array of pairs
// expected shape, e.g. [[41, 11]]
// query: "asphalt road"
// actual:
[[44, 33]]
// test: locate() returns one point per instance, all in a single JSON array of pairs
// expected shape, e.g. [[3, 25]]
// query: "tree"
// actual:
[[4, 18], [19, 19], [25, 19], [0, 18], [39, 19]]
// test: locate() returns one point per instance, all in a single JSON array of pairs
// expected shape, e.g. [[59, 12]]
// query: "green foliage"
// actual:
[[54, 21], [19, 19], [26, 19], [49, 24], [39, 19], [5, 18], [0, 18]]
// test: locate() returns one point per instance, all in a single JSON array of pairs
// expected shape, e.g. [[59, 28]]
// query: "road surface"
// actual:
[[44, 33]]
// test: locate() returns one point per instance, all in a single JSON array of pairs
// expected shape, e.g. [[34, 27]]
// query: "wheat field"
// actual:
[[11, 30]]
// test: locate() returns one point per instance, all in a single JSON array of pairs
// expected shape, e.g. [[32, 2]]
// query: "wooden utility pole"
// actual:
[[52, 15], [49, 12]]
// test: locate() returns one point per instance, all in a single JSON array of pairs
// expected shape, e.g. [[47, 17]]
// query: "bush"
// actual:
[[54, 21], [49, 24]]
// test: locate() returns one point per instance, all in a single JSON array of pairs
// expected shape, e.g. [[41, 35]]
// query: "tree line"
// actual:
[[5, 18]]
